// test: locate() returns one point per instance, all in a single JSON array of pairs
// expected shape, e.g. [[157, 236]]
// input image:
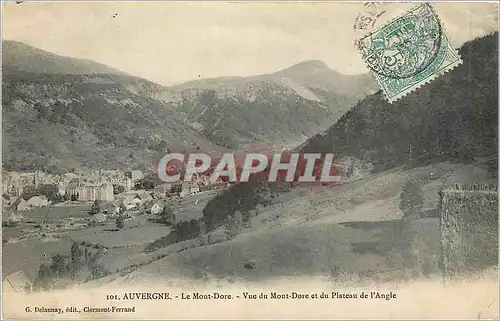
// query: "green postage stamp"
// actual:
[[408, 52]]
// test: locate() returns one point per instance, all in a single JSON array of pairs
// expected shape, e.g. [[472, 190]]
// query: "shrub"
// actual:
[[45, 278], [411, 199], [58, 265], [28, 192], [96, 207], [120, 222], [118, 189], [76, 260], [167, 215], [186, 230], [239, 198], [51, 191], [10, 223], [234, 224]]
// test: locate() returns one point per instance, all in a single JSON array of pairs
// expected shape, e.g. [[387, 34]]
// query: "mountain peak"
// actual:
[[308, 66], [311, 64]]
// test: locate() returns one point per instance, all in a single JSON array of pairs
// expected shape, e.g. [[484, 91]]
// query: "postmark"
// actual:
[[367, 19], [408, 52]]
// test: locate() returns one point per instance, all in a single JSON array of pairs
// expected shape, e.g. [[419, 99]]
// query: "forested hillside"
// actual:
[[454, 117]]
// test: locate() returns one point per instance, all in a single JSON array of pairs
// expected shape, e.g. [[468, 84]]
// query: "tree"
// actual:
[[42, 111], [351, 171], [411, 199], [45, 278], [118, 189], [86, 254], [243, 198], [96, 207], [76, 253], [120, 222], [167, 214], [186, 230], [58, 265], [162, 146], [51, 191], [147, 183], [28, 192], [97, 268], [76, 260], [234, 224], [176, 188]]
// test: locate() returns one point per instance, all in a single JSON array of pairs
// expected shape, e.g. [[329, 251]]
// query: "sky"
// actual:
[[173, 42]]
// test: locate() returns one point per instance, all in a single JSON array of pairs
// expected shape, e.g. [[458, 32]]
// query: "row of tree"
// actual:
[[51, 191]]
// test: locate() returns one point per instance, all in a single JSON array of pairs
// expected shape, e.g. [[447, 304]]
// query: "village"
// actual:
[[111, 189], [111, 209]]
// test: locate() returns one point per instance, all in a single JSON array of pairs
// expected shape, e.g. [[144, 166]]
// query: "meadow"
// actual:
[[345, 234], [29, 254], [55, 213]]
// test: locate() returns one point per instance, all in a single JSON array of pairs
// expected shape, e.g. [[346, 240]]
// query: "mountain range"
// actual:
[[278, 109], [62, 113]]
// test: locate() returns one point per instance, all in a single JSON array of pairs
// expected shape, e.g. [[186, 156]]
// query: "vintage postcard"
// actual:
[[249, 160]]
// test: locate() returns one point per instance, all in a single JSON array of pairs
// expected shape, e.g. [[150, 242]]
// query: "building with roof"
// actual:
[[90, 192], [156, 209]]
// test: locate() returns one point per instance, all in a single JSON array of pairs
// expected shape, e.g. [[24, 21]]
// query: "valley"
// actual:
[[365, 230]]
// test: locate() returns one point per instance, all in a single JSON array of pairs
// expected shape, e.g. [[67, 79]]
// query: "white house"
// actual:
[[156, 209], [38, 201], [61, 188], [136, 201], [189, 189], [194, 189]]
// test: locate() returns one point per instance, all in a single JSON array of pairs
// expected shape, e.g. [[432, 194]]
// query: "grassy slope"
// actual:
[[28, 255], [344, 233]]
